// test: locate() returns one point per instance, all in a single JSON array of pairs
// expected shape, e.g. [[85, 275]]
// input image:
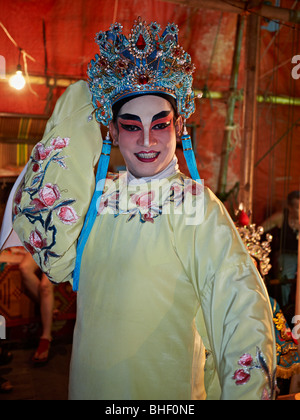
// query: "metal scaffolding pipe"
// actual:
[[47, 81], [65, 82]]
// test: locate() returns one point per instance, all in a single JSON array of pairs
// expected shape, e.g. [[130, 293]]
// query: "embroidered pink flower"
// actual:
[[18, 195], [36, 167], [265, 395], [111, 201], [176, 188], [59, 143], [103, 204], [49, 194], [36, 242], [148, 217], [17, 200], [246, 360], [41, 153], [194, 188], [36, 239], [67, 215], [241, 377], [144, 199], [248, 363]]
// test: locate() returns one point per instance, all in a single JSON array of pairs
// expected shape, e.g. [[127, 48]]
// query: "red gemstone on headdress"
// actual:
[[103, 61], [177, 52], [143, 79], [189, 68], [141, 43]]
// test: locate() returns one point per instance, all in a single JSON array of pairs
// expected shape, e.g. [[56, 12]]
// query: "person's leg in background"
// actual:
[[42, 291]]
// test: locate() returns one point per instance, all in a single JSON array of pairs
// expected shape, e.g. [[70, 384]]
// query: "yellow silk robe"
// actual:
[[154, 290]]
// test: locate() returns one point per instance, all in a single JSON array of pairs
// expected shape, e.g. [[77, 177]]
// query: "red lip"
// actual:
[[146, 159]]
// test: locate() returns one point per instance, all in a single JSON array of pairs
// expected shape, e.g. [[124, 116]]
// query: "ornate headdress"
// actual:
[[143, 63]]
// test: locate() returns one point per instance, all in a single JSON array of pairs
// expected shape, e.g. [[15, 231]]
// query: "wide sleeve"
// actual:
[[51, 203], [234, 318]]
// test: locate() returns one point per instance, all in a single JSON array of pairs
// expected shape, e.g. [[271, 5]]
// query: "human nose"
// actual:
[[149, 138]]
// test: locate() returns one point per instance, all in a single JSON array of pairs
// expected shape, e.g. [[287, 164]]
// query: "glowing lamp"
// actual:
[[17, 81]]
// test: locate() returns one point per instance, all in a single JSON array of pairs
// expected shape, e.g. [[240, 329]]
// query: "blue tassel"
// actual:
[[93, 208], [190, 157]]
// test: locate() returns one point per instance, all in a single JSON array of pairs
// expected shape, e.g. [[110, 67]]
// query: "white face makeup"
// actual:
[[146, 134]]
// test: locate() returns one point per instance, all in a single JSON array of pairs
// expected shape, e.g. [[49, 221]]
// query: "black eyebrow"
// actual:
[[130, 117], [160, 115], [133, 117]]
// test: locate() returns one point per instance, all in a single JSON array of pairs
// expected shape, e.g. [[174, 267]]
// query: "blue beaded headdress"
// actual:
[[143, 63]]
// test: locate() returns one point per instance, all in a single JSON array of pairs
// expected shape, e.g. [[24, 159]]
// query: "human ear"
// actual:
[[113, 130]]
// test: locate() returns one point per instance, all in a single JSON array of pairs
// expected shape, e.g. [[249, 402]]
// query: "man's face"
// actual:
[[145, 132]]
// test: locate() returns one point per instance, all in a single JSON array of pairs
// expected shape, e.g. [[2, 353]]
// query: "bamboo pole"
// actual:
[[273, 99], [250, 107], [278, 100], [235, 6], [229, 124]]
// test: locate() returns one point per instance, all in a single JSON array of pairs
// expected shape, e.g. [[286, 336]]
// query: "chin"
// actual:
[[144, 172]]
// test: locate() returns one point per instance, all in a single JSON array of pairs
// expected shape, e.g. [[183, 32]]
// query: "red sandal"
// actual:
[[44, 347]]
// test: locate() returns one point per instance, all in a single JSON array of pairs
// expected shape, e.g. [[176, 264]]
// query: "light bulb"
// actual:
[[17, 81]]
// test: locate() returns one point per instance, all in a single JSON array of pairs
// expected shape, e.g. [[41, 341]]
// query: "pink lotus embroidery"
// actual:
[[148, 205], [103, 205], [194, 188], [67, 215], [48, 195], [46, 205], [148, 217], [144, 200], [59, 143], [41, 153], [176, 188], [243, 375], [246, 360], [35, 167], [36, 242], [17, 200]]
